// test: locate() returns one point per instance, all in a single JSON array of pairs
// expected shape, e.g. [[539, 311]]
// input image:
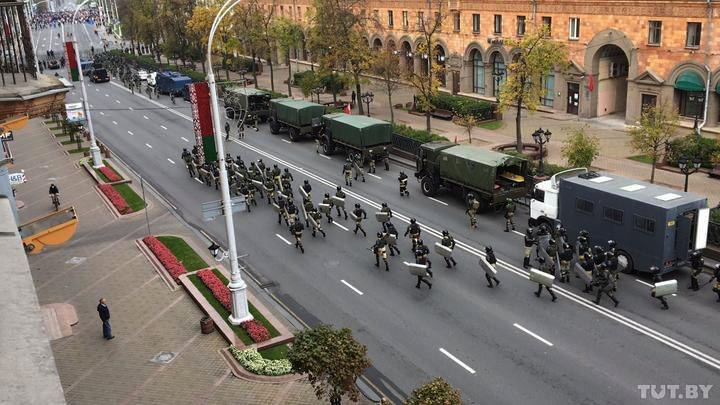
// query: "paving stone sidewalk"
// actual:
[[147, 317]]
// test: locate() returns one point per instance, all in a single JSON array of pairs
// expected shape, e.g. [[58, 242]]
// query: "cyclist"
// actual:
[[54, 194]]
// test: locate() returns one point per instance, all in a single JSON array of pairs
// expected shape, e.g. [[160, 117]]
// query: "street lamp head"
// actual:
[[697, 163], [682, 163], [548, 134], [536, 136]]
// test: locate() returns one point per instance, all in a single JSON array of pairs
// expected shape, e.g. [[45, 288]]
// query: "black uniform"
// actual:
[[414, 231], [187, 158], [297, 229], [603, 282], [328, 201], [449, 241], [716, 286], [360, 214], [387, 210], [347, 173], [490, 257], [530, 241], [545, 268], [422, 256], [657, 278], [391, 230], [380, 250], [340, 194], [422, 259], [281, 203], [566, 256], [696, 264], [403, 180]]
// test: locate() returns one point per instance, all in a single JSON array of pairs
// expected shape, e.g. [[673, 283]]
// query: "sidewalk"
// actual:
[[101, 260]]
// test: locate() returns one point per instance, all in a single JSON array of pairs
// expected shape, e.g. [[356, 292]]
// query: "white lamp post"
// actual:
[[240, 312]]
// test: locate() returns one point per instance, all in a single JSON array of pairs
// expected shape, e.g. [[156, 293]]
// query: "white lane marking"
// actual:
[[146, 117], [117, 101], [281, 238], [377, 177], [91, 106], [163, 127], [351, 287], [198, 180], [102, 113], [129, 132], [438, 201], [170, 160], [326, 157], [131, 109], [519, 233], [107, 95], [148, 145], [341, 227], [73, 93], [547, 342], [184, 139], [582, 301], [456, 360], [97, 89], [286, 141], [644, 283], [115, 122]]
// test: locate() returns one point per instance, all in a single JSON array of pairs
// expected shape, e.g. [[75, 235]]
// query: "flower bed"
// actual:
[[116, 199], [257, 332], [110, 174], [166, 258], [252, 361]]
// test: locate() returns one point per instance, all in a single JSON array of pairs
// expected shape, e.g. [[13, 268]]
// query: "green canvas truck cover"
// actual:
[[358, 130], [473, 166], [296, 112], [248, 92]]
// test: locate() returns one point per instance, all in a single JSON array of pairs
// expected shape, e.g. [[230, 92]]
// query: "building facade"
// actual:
[[623, 54]]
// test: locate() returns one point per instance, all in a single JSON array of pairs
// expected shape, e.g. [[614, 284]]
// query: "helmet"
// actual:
[[587, 256], [582, 239], [566, 246], [470, 196], [695, 254], [508, 199], [562, 231], [609, 255], [184, 149], [598, 250], [412, 220], [612, 244], [529, 231], [584, 233], [384, 205], [654, 269], [275, 167], [379, 234], [291, 202], [551, 241], [357, 205], [338, 187], [541, 259], [419, 241], [445, 233], [488, 249], [327, 195], [306, 182]]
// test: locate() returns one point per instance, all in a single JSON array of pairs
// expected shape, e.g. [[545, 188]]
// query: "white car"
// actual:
[[142, 74], [150, 77]]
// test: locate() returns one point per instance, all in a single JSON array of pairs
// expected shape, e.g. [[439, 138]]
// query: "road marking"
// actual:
[[198, 180], [91, 106], [283, 239], [341, 227], [117, 101], [326, 157], [184, 139], [547, 342], [644, 283], [351, 287], [438, 201], [456, 360], [107, 95], [372, 175], [170, 160], [146, 117], [148, 145], [131, 109], [97, 89], [519, 233], [102, 113], [163, 127], [115, 122], [130, 133], [286, 141]]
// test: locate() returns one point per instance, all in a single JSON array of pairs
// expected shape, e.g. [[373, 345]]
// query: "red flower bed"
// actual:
[[110, 174], [115, 198], [168, 260], [258, 333]]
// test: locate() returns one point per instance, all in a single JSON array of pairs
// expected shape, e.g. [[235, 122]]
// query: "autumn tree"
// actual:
[[656, 127], [308, 83], [247, 28], [468, 122], [386, 64], [436, 392], [172, 17], [580, 149], [538, 54], [264, 14], [426, 83], [288, 34], [332, 359]]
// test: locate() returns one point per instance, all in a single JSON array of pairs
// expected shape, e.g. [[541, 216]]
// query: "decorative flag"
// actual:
[[71, 58], [591, 83], [347, 109], [202, 121]]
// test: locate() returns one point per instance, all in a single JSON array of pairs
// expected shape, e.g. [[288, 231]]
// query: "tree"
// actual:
[[264, 17], [172, 17], [289, 35], [467, 121], [538, 55], [387, 65], [332, 359], [248, 29], [580, 149], [308, 83], [656, 127], [426, 83], [436, 392]]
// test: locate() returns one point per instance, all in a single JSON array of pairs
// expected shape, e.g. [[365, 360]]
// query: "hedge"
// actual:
[[148, 62], [417, 134], [550, 168], [461, 105], [692, 145]]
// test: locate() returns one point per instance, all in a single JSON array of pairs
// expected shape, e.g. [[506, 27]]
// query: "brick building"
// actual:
[[623, 53]]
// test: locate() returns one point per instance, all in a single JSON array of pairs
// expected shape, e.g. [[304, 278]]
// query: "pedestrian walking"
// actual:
[[449, 242], [403, 180], [545, 269], [227, 131], [353, 97], [490, 272], [358, 215], [104, 313]]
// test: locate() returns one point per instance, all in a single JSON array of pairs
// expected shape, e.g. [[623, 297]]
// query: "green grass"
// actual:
[[81, 150], [68, 142], [224, 313], [492, 125], [275, 352], [183, 252], [134, 201], [641, 158]]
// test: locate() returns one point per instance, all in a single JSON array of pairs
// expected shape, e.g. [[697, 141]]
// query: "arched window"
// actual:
[[499, 73], [478, 72]]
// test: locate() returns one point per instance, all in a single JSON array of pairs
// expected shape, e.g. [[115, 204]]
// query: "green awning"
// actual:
[[689, 81], [717, 88]]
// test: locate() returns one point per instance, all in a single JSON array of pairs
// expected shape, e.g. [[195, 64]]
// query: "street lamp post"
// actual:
[[240, 312], [541, 138], [318, 91], [688, 167], [367, 98]]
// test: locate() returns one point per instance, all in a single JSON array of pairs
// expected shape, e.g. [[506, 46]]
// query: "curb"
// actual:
[[159, 268]]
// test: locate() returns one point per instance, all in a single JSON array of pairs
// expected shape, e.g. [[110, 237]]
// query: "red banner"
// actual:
[[72, 61], [202, 121]]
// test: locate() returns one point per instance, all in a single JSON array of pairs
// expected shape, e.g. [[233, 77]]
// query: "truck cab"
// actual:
[[544, 202]]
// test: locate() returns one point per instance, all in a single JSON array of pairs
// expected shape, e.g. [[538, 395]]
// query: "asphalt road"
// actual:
[[500, 345]]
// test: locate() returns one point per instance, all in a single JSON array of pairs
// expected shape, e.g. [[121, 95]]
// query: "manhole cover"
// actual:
[[75, 260], [164, 357]]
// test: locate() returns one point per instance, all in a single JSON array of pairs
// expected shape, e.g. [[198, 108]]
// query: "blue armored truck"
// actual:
[[171, 82]]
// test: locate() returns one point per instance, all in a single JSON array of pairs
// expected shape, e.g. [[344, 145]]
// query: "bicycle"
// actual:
[[55, 201]]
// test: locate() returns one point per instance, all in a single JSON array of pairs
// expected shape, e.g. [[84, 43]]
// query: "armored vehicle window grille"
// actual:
[[613, 215], [644, 224], [584, 206]]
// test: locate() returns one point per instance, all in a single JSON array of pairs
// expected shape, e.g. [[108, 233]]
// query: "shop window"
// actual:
[[548, 97]]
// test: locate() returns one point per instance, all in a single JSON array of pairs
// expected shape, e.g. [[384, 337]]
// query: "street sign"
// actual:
[[7, 136], [211, 209], [17, 178]]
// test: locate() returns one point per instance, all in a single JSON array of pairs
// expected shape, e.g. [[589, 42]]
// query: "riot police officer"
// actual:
[[414, 231], [566, 256], [269, 190], [603, 282], [261, 165], [286, 175], [292, 212], [716, 286], [657, 278], [358, 166], [371, 169], [492, 260], [245, 191], [403, 180], [696, 265], [530, 241], [473, 207], [422, 256], [391, 230], [297, 230], [544, 268], [384, 208], [315, 217], [329, 202], [308, 207], [448, 241], [509, 215], [276, 173], [340, 194], [347, 172], [589, 269], [307, 188], [187, 158], [359, 214], [380, 250], [281, 203]]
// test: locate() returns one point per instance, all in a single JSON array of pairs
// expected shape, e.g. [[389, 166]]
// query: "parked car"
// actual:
[[99, 75], [53, 64], [142, 74]]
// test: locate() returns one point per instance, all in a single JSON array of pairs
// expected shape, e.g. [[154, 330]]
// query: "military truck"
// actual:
[[370, 137], [651, 224], [242, 99], [300, 117], [491, 176]]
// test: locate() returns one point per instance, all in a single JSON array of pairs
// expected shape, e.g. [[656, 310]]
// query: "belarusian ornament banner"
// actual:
[[202, 121], [72, 61]]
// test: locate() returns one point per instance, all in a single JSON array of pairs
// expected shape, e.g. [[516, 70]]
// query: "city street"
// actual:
[[500, 345]]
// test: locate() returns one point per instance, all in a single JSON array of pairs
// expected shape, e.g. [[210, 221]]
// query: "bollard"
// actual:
[[207, 325]]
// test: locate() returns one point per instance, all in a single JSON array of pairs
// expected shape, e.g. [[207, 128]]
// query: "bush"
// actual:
[[550, 168], [707, 149], [166, 258], [116, 199], [417, 134], [715, 214], [252, 361], [274, 94], [299, 76], [460, 105], [436, 392]]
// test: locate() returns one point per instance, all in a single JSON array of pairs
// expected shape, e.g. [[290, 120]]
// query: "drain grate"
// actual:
[[164, 357]]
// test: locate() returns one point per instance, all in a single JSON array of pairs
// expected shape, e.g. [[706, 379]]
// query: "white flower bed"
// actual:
[[252, 361]]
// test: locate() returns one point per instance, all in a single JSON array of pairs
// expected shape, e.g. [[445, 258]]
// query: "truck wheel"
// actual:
[[327, 146], [428, 186], [274, 127], [625, 262], [294, 134], [29, 247]]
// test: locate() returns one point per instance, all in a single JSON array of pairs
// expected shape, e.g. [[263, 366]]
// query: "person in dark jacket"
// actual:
[[104, 313]]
